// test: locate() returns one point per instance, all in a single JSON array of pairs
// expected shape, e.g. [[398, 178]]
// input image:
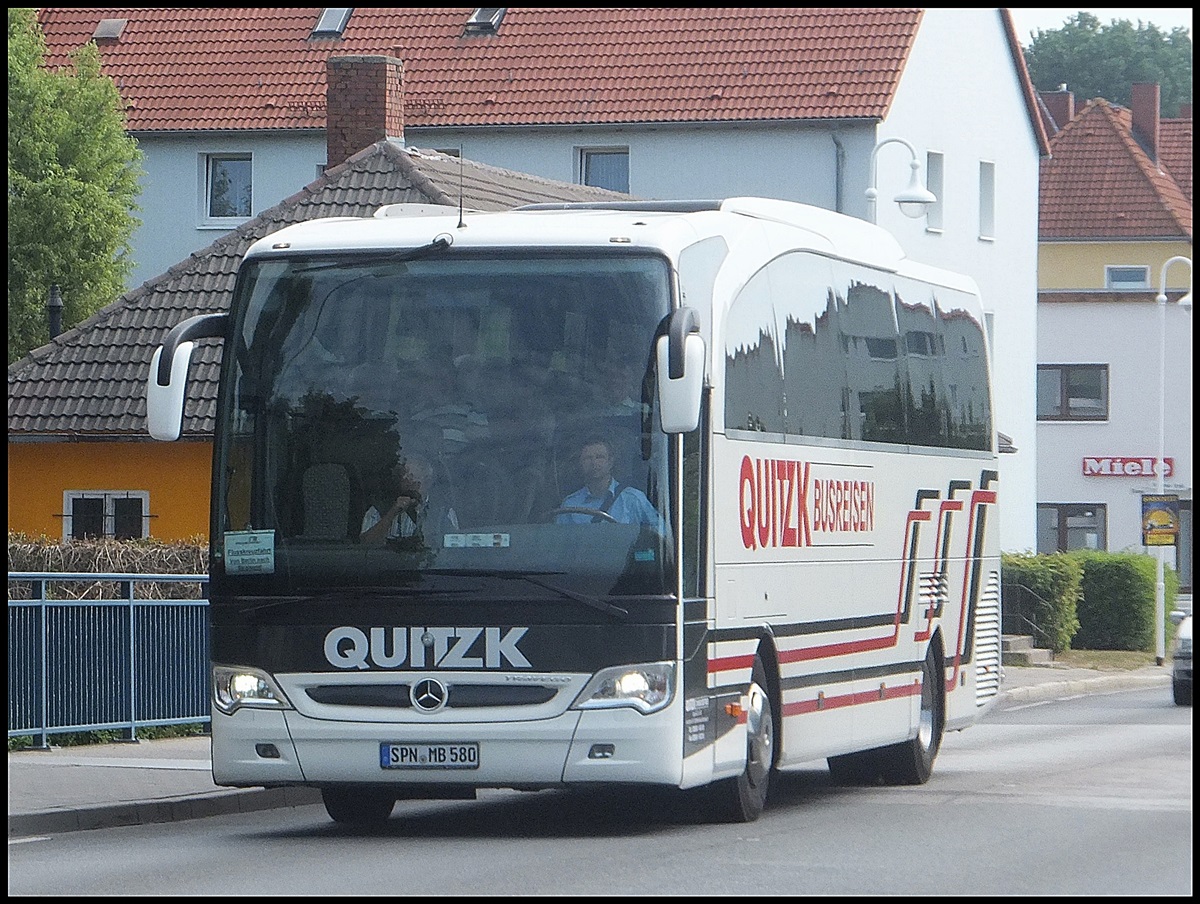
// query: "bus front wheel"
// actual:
[[743, 798], [358, 806]]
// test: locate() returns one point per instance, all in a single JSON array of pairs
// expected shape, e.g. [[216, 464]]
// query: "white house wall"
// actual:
[[172, 196], [968, 105], [1125, 336], [790, 162]]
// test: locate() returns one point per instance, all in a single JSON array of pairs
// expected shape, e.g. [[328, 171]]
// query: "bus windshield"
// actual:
[[444, 422]]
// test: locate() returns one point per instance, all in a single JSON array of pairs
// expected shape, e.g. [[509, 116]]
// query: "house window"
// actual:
[[605, 168], [987, 199], [1072, 392], [935, 182], [1126, 278], [1063, 527], [228, 187], [119, 514]]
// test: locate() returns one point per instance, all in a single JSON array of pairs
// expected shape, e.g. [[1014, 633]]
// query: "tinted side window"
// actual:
[[966, 373], [754, 360], [926, 402], [873, 360], [814, 357]]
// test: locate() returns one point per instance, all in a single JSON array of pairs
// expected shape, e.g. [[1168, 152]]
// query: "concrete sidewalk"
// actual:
[[104, 785]]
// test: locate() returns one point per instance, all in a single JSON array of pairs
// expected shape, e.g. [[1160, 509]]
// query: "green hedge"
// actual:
[[1117, 608], [1052, 585]]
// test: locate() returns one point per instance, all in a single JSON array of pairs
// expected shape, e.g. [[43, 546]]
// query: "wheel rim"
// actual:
[[926, 728], [760, 740]]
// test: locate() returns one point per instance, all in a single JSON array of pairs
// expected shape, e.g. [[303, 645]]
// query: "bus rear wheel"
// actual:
[[743, 798], [911, 763], [358, 806]]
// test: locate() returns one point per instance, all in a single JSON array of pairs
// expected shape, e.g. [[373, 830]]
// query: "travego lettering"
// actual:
[[348, 647], [781, 503]]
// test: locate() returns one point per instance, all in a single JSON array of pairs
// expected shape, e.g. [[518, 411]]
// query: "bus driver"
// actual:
[[602, 493]]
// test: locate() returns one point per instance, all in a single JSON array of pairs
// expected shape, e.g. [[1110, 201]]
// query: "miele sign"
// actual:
[[1109, 466]]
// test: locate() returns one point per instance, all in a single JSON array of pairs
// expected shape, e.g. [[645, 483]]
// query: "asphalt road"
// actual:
[[1090, 795]]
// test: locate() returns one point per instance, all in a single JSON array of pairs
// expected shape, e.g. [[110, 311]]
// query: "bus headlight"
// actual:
[[236, 686], [646, 687]]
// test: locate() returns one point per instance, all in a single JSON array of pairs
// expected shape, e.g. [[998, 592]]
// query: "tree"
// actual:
[[1095, 60], [72, 186]]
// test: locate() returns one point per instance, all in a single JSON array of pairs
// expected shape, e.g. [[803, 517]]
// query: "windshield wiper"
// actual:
[[440, 243], [532, 577]]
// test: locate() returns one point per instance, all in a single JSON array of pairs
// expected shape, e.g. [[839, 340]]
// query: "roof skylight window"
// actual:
[[332, 22], [109, 29], [485, 20]]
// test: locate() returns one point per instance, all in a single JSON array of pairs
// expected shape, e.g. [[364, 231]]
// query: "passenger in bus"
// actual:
[[601, 494], [419, 511]]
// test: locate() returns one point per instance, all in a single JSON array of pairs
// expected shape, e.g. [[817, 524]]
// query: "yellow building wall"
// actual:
[[176, 475], [1079, 266]]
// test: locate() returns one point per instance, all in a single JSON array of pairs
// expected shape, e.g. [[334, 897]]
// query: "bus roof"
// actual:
[[662, 226]]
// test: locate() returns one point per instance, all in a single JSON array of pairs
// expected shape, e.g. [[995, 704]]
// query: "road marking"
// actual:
[[29, 839]]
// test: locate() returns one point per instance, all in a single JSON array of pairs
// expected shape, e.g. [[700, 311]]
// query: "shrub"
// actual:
[[1043, 590], [1117, 608]]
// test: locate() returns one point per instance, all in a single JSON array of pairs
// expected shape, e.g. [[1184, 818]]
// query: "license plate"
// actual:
[[425, 755]]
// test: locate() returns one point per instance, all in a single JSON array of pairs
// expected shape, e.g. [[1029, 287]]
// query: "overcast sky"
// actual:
[[1028, 21]]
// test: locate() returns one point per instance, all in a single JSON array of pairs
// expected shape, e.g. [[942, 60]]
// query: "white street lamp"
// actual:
[[1160, 586], [914, 199]]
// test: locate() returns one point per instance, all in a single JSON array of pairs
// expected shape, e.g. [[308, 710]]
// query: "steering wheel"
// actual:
[[580, 510]]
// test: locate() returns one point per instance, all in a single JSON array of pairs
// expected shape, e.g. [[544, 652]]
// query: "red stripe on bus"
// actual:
[[855, 698]]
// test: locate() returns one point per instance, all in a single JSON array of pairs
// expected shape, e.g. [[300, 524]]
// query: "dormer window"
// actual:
[[332, 22], [485, 21]]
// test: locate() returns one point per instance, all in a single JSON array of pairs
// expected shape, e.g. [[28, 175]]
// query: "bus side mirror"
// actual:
[[166, 385], [164, 404], [680, 355]]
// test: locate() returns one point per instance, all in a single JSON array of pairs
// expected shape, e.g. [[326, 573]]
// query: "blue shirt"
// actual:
[[630, 507]]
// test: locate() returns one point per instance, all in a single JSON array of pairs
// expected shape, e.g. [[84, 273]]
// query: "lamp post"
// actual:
[[914, 199], [1160, 586]]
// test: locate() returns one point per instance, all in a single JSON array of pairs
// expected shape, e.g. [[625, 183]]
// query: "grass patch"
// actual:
[[1105, 660]]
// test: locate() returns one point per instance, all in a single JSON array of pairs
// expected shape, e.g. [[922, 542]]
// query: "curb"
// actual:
[[1056, 690], [136, 813]]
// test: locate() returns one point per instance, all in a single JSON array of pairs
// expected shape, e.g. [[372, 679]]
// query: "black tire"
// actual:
[[911, 763], [743, 798], [1181, 691], [358, 806]]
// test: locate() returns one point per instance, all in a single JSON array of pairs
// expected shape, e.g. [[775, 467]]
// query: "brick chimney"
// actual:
[[364, 103], [1060, 104], [1144, 105]]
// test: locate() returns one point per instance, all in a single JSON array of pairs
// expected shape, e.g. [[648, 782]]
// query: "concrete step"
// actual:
[[1015, 643], [1018, 649], [1027, 657]]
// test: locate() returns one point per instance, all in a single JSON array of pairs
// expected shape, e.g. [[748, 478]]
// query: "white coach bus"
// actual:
[[645, 493]]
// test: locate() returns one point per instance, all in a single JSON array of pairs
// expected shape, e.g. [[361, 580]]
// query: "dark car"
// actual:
[[1181, 659]]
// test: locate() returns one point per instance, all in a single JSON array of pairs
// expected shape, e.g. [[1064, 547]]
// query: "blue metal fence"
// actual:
[[123, 663]]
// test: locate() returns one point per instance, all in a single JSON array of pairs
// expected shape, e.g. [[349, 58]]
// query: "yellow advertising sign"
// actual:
[[1160, 520]]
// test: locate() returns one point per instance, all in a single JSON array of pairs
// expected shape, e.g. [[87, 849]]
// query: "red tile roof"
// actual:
[[1099, 183], [219, 68], [1175, 152]]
